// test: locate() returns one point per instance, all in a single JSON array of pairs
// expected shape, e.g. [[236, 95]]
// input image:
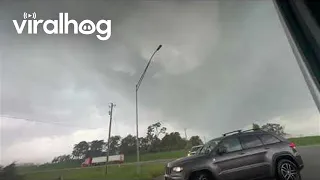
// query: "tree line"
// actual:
[[10, 173], [150, 143], [127, 145], [271, 127]]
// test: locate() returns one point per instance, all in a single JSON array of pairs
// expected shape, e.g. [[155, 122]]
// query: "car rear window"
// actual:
[[250, 141], [268, 139]]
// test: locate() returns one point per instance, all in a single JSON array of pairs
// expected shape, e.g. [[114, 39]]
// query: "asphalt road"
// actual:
[[311, 158]]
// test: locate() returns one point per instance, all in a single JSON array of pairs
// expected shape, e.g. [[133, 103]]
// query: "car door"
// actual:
[[230, 163], [254, 157]]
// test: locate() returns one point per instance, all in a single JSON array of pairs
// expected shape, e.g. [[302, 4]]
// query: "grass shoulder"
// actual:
[[306, 141]]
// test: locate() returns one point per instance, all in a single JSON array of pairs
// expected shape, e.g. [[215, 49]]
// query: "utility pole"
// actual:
[[185, 133], [111, 106], [204, 138]]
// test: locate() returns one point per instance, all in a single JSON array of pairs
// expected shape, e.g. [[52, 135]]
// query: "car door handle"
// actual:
[[266, 148], [241, 153]]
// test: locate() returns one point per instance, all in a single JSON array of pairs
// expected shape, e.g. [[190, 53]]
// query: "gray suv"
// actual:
[[240, 155]]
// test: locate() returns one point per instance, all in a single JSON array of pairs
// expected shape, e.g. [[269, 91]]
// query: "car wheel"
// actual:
[[287, 170], [202, 176]]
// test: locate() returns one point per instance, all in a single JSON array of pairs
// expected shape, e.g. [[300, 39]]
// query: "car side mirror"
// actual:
[[222, 150]]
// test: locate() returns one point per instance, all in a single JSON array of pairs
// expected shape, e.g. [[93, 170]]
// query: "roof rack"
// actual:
[[237, 131], [240, 131], [249, 130]]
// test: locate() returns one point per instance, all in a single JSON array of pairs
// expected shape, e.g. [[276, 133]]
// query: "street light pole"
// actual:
[[137, 118], [137, 129]]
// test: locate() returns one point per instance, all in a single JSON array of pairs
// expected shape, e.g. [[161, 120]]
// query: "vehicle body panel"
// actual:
[[246, 163]]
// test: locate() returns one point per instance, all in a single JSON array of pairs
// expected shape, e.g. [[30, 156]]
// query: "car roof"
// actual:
[[248, 132], [239, 133], [255, 132]]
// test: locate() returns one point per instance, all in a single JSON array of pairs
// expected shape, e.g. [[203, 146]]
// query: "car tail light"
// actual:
[[292, 145]]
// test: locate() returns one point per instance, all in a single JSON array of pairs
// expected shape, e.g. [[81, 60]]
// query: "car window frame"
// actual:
[[220, 143], [215, 148], [196, 147], [256, 135], [279, 141]]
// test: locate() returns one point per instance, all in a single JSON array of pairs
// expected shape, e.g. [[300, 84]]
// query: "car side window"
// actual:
[[231, 144], [268, 139], [250, 141]]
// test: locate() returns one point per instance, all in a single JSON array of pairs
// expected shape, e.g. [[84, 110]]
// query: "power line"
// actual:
[[57, 123]]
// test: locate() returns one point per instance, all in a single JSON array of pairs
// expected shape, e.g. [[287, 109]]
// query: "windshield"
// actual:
[[196, 148], [208, 147]]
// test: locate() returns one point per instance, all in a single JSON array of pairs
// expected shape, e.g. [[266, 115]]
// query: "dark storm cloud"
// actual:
[[223, 65], [247, 71]]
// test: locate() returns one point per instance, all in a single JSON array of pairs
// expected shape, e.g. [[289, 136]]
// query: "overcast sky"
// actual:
[[223, 66]]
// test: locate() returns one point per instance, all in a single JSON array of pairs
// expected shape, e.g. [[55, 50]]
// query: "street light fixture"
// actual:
[[137, 121]]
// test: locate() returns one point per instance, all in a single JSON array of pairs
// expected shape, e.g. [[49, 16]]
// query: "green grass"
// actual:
[[304, 141], [124, 172], [155, 156], [132, 158], [49, 166]]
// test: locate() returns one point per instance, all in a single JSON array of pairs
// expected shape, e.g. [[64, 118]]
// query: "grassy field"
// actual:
[[49, 166], [133, 158], [124, 172], [305, 141], [154, 156]]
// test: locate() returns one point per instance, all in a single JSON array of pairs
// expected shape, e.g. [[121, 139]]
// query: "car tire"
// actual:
[[287, 170], [201, 176]]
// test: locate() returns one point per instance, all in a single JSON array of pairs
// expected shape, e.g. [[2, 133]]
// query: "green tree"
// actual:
[[255, 126], [172, 141], [10, 173], [144, 146], [62, 158], [80, 150], [274, 128], [128, 145], [195, 140], [153, 133], [96, 148], [155, 145], [114, 145], [65, 158], [54, 160]]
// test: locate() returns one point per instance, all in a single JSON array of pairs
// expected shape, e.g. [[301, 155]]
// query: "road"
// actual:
[[311, 158]]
